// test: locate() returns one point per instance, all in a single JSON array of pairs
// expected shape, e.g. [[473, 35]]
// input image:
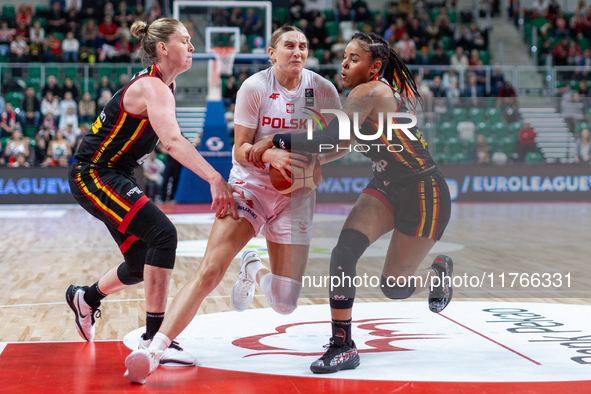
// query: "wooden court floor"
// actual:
[[41, 255]]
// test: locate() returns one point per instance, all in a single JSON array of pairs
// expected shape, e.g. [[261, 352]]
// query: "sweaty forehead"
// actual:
[[294, 37]]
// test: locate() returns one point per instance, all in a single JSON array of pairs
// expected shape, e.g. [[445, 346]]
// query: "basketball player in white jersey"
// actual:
[[264, 107]]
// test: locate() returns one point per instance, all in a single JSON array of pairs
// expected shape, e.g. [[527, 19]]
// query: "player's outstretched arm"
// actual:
[[160, 106]]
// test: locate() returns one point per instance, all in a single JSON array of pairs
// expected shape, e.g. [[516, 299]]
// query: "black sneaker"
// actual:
[[337, 357], [85, 314], [440, 296]]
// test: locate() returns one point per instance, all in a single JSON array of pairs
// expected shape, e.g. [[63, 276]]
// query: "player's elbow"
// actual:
[[171, 143]]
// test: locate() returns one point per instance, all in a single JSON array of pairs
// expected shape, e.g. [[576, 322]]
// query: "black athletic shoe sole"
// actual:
[[70, 293], [435, 300], [349, 364]]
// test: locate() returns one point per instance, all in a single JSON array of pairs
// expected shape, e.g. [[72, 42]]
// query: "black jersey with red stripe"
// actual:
[[399, 159], [119, 139]]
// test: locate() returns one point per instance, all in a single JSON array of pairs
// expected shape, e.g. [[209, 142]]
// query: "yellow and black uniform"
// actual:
[[407, 180], [102, 181]]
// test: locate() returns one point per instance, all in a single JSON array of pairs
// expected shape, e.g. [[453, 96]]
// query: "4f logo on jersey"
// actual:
[[274, 96], [290, 108]]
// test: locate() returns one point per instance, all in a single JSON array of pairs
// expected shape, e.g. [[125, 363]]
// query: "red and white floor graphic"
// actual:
[[473, 347]]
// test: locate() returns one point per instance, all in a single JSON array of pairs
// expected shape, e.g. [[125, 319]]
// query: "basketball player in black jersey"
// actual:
[[139, 115], [407, 194]]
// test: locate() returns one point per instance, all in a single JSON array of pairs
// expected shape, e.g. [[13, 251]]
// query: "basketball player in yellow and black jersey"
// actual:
[[408, 194], [140, 114]]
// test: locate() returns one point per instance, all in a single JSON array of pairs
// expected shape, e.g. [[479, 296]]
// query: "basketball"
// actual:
[[303, 180]]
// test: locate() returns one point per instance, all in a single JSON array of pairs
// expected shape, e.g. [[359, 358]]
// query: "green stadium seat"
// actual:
[[14, 98], [493, 115], [35, 83], [8, 11], [120, 71], [445, 117], [329, 15], [485, 57], [35, 72], [41, 11], [501, 130], [460, 158], [460, 114], [105, 71], [449, 130], [476, 115], [583, 43], [493, 143], [30, 131], [515, 127], [483, 128], [446, 41], [52, 71], [70, 72], [438, 143], [161, 157], [508, 145], [533, 157], [453, 16], [433, 14], [429, 128], [469, 143], [442, 158], [454, 145], [332, 28]]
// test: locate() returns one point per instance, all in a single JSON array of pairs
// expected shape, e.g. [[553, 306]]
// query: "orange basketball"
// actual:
[[303, 180]]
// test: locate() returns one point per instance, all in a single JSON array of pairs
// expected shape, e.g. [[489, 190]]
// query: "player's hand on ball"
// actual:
[[221, 193], [254, 153], [283, 160]]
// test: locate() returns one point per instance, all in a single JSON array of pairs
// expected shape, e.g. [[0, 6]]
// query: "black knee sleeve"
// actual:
[[391, 289], [343, 262], [129, 276]]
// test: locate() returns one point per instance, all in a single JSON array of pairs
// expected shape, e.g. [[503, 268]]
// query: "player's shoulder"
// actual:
[[256, 83], [323, 85]]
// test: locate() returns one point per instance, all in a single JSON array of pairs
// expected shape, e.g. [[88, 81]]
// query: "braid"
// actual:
[[393, 68]]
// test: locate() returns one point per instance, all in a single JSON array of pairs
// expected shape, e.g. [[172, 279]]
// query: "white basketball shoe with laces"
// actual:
[[243, 290]]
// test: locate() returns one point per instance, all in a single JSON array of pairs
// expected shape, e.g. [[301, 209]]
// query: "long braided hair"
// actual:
[[393, 68]]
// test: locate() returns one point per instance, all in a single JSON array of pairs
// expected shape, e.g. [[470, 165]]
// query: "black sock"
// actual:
[[341, 331], [153, 323], [93, 295]]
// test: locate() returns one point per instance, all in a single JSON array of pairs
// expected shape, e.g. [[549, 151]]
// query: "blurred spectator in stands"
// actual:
[[304, 26], [453, 95], [58, 147], [124, 31], [361, 11], [6, 34], [554, 7], [109, 10], [86, 109], [105, 85], [84, 129], [582, 8], [583, 148], [76, 5], [406, 9], [42, 140], [103, 99], [450, 77], [311, 61], [463, 37], [122, 52], [49, 121], [8, 121], [400, 29], [405, 46], [56, 20], [229, 117], [526, 142], [478, 37], [439, 58], [67, 103], [508, 100], [121, 15], [318, 35], [560, 31], [155, 12], [52, 48], [107, 32], [416, 33], [473, 91], [545, 52], [72, 21], [24, 14], [52, 86], [70, 87], [237, 17], [540, 6], [379, 25], [50, 105], [497, 79], [481, 152], [19, 50], [574, 54], [584, 89], [89, 34], [36, 35], [389, 33], [474, 57], [343, 10], [123, 79], [338, 82], [584, 65], [560, 52], [153, 170], [571, 109], [338, 46], [30, 108], [459, 60], [140, 15], [439, 96], [70, 133], [16, 145], [443, 23], [422, 59], [326, 61], [21, 161], [23, 29], [69, 119], [70, 47], [422, 87]]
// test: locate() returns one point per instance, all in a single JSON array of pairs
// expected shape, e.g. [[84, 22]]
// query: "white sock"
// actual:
[[253, 268], [160, 342]]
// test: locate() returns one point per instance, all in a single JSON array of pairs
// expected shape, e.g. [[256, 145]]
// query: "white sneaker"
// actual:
[[173, 356], [243, 290], [85, 314], [141, 363]]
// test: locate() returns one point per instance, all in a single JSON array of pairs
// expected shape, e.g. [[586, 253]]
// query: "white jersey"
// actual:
[[263, 104]]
